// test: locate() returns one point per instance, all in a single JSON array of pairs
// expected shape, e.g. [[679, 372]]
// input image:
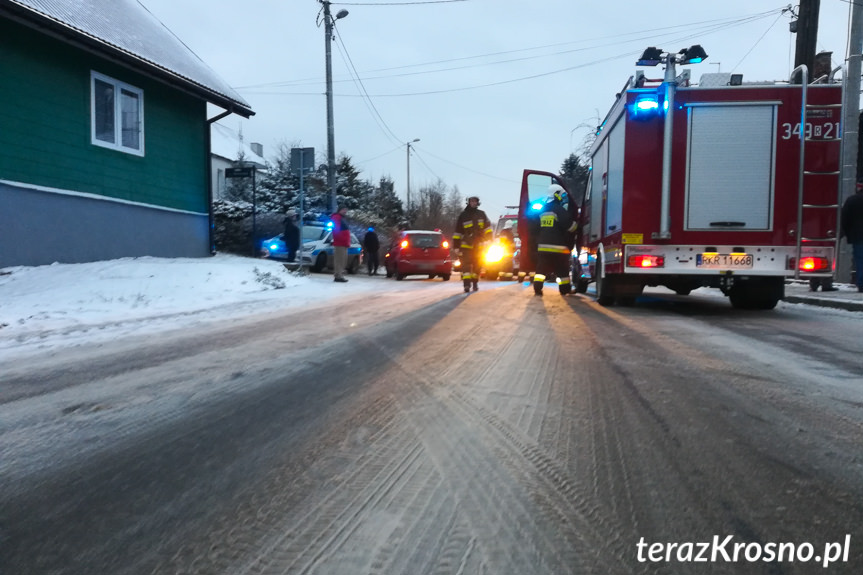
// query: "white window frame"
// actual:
[[119, 88]]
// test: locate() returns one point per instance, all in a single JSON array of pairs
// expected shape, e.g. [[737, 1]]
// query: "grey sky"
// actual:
[[489, 86]]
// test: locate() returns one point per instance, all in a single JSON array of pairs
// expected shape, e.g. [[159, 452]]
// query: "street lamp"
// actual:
[[331, 146], [408, 144]]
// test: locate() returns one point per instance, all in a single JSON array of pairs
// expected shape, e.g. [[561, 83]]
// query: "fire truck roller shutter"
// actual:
[[731, 164]]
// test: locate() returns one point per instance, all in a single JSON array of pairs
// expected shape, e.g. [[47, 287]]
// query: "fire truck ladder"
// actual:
[[808, 179]]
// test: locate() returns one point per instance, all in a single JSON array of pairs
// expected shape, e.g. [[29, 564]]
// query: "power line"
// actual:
[[713, 27], [424, 163], [366, 98], [398, 3], [469, 169], [757, 42], [707, 26]]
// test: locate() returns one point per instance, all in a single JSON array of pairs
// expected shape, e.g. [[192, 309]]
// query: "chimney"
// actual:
[[823, 64]]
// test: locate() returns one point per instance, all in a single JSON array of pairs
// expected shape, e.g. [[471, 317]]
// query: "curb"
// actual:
[[834, 303]]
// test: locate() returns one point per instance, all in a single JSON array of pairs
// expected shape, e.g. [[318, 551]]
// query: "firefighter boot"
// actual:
[[475, 286], [466, 286], [565, 289], [537, 288]]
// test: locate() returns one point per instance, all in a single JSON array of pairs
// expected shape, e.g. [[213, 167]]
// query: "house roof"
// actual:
[[227, 143], [124, 30]]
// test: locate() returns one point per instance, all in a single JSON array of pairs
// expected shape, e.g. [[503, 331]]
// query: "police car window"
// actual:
[[314, 232]]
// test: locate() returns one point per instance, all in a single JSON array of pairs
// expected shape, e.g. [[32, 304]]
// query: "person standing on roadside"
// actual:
[[472, 231], [291, 235], [371, 245], [852, 229], [341, 243]]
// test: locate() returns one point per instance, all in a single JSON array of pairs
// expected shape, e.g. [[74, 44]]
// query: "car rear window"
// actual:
[[425, 240]]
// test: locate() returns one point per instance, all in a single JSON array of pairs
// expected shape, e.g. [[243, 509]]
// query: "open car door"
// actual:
[[534, 191]]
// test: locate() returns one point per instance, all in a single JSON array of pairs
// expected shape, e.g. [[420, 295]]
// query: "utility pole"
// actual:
[[807, 34], [331, 146], [850, 129], [408, 144]]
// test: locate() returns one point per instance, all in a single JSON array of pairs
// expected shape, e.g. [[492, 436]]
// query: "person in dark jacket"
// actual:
[[851, 220], [372, 246], [554, 230], [472, 231], [291, 236], [341, 243]]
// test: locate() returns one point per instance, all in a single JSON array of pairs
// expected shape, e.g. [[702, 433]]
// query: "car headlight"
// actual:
[[494, 254]]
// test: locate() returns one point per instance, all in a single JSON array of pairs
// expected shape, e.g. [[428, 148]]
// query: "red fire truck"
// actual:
[[722, 184]]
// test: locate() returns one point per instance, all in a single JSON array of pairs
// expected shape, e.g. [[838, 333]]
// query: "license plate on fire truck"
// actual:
[[724, 261]]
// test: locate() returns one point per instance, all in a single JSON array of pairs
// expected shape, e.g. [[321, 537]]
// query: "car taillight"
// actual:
[[645, 261], [404, 244], [814, 264]]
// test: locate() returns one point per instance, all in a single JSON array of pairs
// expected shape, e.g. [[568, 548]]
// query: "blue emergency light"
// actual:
[[646, 104], [536, 206], [646, 107]]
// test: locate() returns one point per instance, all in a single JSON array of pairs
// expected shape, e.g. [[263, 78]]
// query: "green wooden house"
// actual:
[[104, 134]]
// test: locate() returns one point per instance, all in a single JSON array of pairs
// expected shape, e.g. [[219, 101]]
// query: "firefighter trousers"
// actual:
[[548, 263], [470, 267]]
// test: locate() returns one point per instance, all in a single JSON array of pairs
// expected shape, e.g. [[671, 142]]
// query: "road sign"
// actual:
[[302, 159], [239, 172]]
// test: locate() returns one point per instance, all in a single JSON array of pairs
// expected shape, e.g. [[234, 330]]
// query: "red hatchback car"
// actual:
[[419, 252]]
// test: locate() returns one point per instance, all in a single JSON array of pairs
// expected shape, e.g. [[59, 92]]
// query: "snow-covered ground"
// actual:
[[60, 305], [56, 305]]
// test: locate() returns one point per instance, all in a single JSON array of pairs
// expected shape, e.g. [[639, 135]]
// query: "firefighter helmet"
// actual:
[[469, 198], [556, 192]]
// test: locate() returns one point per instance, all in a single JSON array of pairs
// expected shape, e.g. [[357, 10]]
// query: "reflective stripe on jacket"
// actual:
[[554, 229], [471, 228]]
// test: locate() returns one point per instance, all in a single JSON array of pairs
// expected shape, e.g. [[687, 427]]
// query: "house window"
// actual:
[[117, 115]]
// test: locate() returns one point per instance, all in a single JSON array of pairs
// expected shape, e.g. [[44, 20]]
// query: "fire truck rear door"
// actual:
[[731, 160]]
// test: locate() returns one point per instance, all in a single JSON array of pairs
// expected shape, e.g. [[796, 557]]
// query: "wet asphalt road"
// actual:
[[438, 433]]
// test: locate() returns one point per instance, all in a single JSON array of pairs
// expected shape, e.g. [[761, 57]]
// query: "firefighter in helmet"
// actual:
[[507, 237], [554, 233], [472, 231]]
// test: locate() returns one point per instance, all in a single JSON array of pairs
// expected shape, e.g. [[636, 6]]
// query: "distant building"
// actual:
[[105, 139], [225, 148]]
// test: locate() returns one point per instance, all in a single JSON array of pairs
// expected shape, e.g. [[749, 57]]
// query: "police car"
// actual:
[[317, 251]]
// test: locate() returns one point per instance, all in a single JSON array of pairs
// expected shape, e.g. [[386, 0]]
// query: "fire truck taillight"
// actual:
[[645, 261], [814, 264]]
